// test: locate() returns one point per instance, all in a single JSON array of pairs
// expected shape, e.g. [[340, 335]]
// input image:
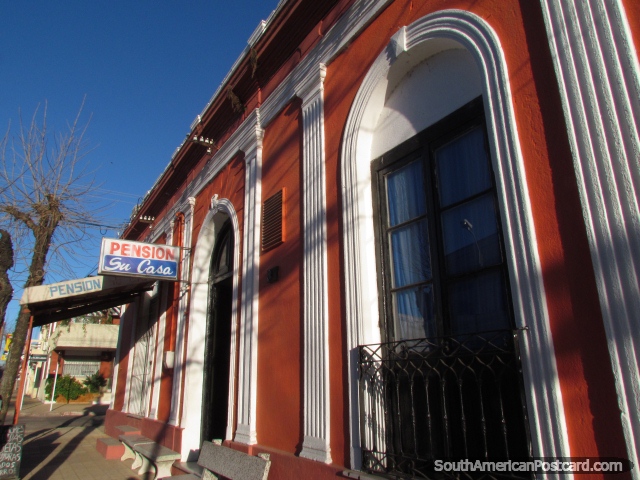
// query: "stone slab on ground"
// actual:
[[231, 463]]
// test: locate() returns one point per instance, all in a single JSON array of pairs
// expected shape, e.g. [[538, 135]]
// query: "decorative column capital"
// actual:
[[192, 205], [251, 138], [214, 204], [312, 85]]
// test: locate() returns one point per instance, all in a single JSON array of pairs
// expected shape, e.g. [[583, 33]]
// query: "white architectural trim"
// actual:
[[142, 405], [163, 301], [347, 27], [192, 411], [246, 139], [329, 47], [598, 75], [181, 353], [117, 360], [248, 365], [127, 391], [356, 19], [425, 37], [316, 443], [161, 322], [151, 351], [243, 136]]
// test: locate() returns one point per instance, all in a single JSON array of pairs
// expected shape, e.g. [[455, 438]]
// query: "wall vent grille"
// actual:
[[273, 221]]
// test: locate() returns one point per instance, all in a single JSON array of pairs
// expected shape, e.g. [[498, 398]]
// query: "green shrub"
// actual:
[[95, 382], [66, 386]]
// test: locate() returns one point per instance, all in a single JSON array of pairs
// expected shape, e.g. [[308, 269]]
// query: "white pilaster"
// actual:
[[599, 79], [161, 328], [116, 363], [316, 442], [247, 371], [159, 352], [131, 310], [180, 353]]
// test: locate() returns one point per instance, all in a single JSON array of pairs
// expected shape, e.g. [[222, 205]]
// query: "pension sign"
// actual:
[[136, 259]]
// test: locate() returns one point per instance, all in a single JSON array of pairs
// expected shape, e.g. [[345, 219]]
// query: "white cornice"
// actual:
[[165, 224], [359, 15], [245, 140]]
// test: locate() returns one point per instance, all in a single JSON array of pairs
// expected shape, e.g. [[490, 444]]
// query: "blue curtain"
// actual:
[[462, 168], [410, 254], [470, 238]]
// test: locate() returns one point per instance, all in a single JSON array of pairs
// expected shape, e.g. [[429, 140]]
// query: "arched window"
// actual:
[[440, 251], [447, 375]]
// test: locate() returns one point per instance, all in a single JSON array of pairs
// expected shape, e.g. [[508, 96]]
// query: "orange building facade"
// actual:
[[409, 233]]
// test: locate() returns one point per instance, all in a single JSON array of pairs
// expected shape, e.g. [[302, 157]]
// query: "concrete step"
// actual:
[[110, 448], [127, 430]]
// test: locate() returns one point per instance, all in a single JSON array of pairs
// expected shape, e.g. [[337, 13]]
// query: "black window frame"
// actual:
[[423, 145]]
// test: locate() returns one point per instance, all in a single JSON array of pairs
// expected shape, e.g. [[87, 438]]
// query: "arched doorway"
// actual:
[[209, 238], [215, 391]]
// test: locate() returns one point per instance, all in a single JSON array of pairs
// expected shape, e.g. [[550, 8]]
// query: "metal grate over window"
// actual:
[[272, 221], [452, 397], [80, 368]]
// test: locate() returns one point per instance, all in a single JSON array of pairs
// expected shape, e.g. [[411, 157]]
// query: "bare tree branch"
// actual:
[[45, 206]]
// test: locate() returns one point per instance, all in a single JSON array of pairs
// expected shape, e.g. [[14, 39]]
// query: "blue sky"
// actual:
[[147, 69]]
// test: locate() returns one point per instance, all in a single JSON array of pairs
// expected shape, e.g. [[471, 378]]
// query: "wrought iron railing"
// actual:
[[448, 398]]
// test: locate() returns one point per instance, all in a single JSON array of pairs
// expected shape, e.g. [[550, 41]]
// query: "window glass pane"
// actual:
[[414, 313], [470, 236], [409, 254], [462, 167], [405, 193], [221, 262], [478, 304]]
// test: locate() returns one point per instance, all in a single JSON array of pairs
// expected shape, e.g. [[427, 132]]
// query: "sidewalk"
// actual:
[[61, 444]]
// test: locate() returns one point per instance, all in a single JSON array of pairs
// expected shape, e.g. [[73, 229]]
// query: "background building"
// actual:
[[79, 347]]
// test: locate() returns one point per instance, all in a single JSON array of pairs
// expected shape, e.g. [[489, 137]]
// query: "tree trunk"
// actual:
[[36, 277], [13, 361], [6, 262]]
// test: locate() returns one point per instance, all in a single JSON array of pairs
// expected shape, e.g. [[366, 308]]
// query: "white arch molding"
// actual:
[[428, 36], [221, 209]]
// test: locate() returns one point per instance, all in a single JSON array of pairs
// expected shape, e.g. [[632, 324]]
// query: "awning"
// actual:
[[59, 301]]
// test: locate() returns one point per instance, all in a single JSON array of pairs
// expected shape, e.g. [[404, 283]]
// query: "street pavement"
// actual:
[[61, 444]]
